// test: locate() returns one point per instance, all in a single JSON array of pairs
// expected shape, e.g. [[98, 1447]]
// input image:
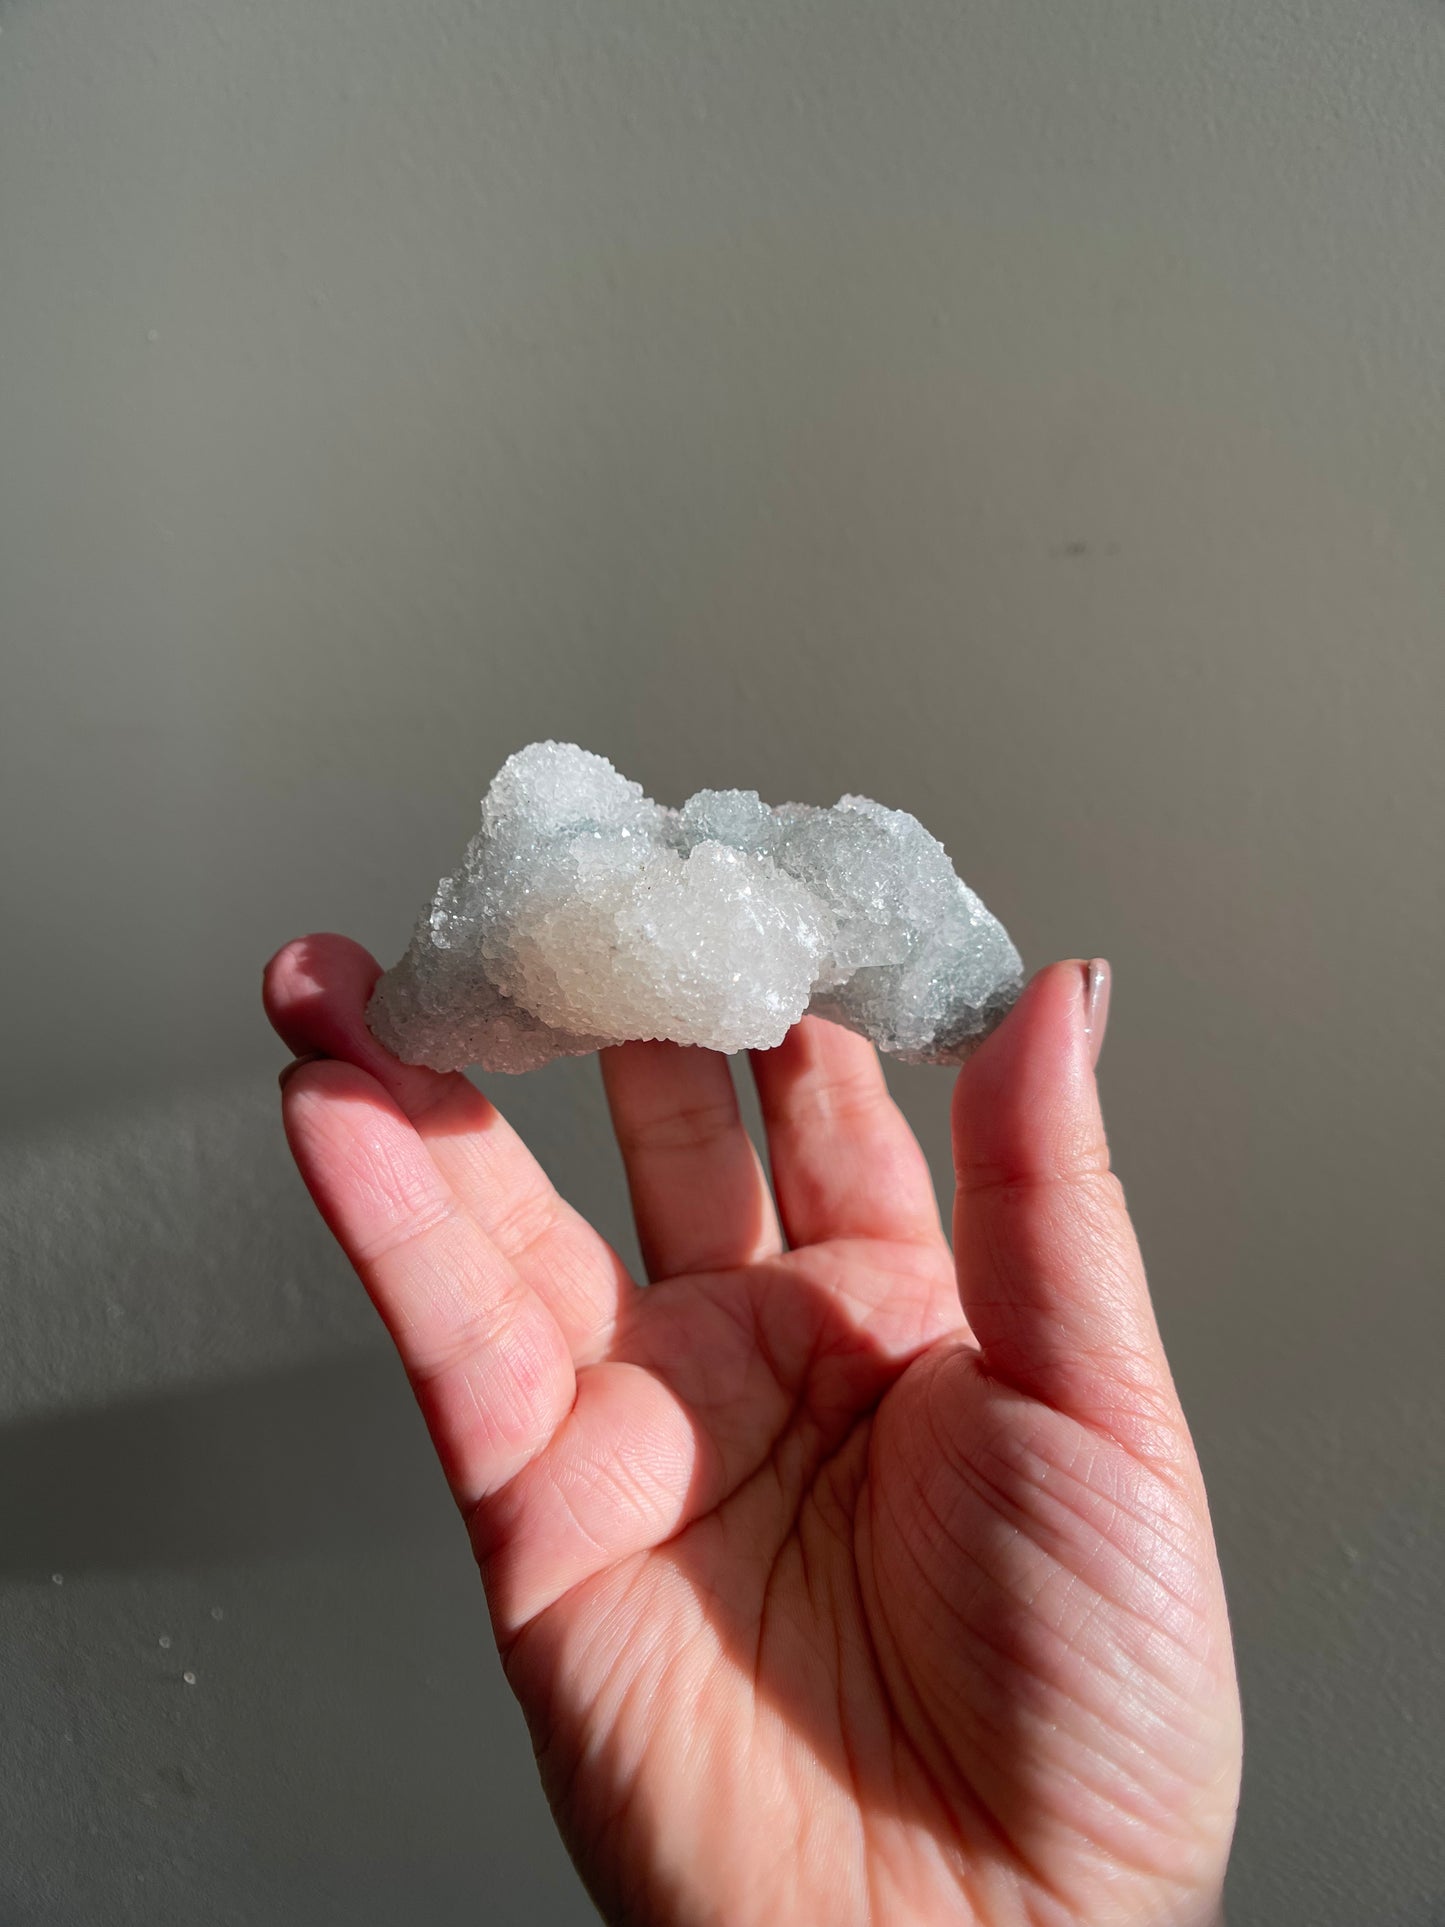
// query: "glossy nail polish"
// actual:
[[1098, 979]]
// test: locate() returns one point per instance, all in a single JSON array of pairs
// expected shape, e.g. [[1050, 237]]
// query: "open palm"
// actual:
[[838, 1584]]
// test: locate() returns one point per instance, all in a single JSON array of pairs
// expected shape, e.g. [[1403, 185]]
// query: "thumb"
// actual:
[[1049, 1269]]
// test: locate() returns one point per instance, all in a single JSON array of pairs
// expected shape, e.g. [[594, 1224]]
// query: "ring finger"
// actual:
[[699, 1195]]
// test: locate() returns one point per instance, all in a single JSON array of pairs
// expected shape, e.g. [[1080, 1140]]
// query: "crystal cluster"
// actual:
[[584, 914]]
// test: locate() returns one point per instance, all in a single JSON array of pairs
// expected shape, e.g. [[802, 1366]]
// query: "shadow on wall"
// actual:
[[257, 1468]]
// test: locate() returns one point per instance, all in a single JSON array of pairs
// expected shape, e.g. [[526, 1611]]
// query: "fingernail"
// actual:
[[1098, 978], [288, 1071]]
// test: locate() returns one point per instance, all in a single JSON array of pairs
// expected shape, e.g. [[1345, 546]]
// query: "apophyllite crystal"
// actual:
[[585, 914]]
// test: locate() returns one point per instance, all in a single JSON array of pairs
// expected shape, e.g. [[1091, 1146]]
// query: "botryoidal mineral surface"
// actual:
[[585, 914]]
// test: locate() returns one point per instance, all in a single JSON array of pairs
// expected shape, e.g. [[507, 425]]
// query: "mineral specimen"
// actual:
[[585, 914]]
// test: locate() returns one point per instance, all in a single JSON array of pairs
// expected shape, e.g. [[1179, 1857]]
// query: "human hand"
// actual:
[[837, 1586]]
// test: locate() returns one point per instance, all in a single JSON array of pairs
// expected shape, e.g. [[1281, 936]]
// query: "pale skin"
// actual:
[[841, 1582]]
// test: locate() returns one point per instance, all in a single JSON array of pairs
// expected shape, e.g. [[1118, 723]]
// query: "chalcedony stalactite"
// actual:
[[585, 914]]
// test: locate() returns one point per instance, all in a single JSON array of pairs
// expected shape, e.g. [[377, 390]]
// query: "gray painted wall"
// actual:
[[1028, 412]]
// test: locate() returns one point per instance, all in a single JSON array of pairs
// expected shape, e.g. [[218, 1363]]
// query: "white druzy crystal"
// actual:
[[585, 914]]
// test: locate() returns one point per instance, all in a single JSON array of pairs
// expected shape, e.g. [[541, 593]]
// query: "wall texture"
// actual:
[[1028, 412]]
